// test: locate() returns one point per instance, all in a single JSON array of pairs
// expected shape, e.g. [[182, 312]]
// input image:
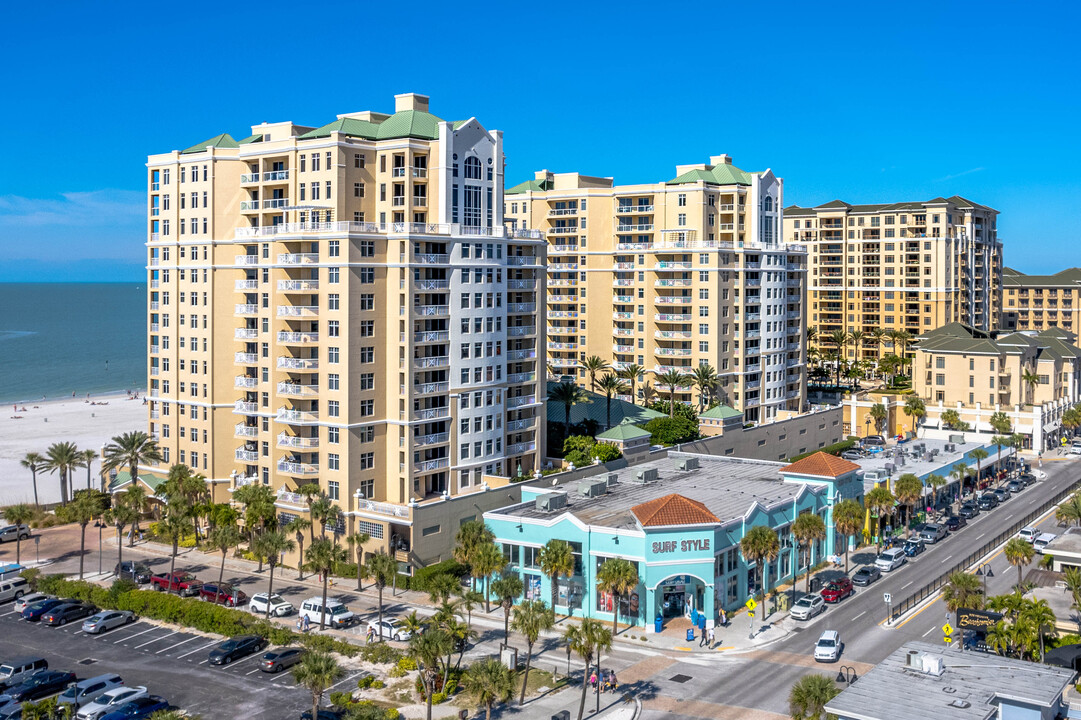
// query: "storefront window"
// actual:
[[529, 557], [576, 548], [628, 605], [510, 553], [569, 593], [532, 586], [732, 590]]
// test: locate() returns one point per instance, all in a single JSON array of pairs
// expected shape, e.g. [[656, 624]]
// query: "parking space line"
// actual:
[[351, 677], [148, 642], [253, 656], [159, 652], [252, 671], [203, 647], [129, 637], [13, 612]]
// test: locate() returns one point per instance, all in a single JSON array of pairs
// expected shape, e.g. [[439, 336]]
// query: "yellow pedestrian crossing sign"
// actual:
[[947, 639], [751, 604], [947, 629]]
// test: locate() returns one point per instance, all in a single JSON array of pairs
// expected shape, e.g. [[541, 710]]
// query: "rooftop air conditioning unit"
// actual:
[[612, 479], [647, 475], [933, 665], [687, 464], [551, 501], [913, 660], [592, 488], [889, 468]]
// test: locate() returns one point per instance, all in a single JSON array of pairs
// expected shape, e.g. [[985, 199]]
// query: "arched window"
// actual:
[[472, 168], [767, 204]]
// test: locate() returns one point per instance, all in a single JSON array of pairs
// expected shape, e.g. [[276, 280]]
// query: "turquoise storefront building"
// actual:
[[680, 521]]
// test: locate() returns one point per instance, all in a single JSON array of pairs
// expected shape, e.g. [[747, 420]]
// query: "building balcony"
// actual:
[[431, 310], [249, 206], [634, 246], [297, 390], [298, 311], [297, 417], [244, 358], [432, 388], [525, 354], [245, 333], [249, 178], [154, 349], [246, 260], [300, 469], [672, 283], [560, 249], [623, 332], [297, 338], [562, 212], [247, 456], [430, 439], [522, 308], [563, 267], [620, 282], [246, 285], [673, 317], [432, 465], [431, 336], [427, 285], [624, 266], [562, 346], [624, 349], [519, 448], [667, 265], [672, 300], [276, 176], [563, 363], [520, 401], [304, 286], [568, 230], [519, 425], [673, 352], [275, 203], [623, 315], [298, 259], [295, 364], [673, 334], [246, 309], [285, 440], [633, 228], [558, 314], [562, 283], [624, 209], [422, 363], [245, 431], [245, 381], [435, 413], [243, 407], [623, 299], [522, 378], [752, 317], [521, 330], [431, 258]]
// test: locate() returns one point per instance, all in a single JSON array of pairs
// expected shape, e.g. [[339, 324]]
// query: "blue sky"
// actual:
[[868, 102]]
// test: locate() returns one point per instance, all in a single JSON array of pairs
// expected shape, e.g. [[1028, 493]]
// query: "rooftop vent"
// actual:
[[912, 660], [687, 464], [889, 468], [646, 476], [551, 501], [612, 479], [933, 665], [959, 703], [592, 488]]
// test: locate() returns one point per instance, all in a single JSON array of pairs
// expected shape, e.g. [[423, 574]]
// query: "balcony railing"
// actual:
[[289, 363], [285, 440], [431, 336], [431, 284], [526, 354], [430, 465], [276, 176], [519, 401], [431, 258], [672, 283], [290, 467], [297, 338], [522, 447], [298, 259], [562, 346], [249, 178], [565, 230], [248, 456], [673, 334], [242, 407], [520, 378], [521, 284], [563, 248], [422, 363], [249, 206], [633, 228], [673, 300], [623, 315], [297, 417], [522, 260], [247, 284], [521, 308], [275, 203], [562, 314], [298, 285], [621, 209], [243, 358], [247, 260], [381, 508], [563, 283], [430, 439], [246, 333], [524, 424], [434, 413], [245, 381], [297, 389], [563, 362], [673, 352], [242, 430], [667, 265], [623, 332], [521, 330], [673, 317], [433, 388], [431, 310], [623, 349], [303, 311], [560, 212]]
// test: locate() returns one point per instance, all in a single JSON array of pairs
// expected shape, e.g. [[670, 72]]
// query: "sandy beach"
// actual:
[[43, 423]]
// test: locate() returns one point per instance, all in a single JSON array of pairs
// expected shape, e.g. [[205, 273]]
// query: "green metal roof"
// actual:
[[623, 432], [123, 479], [410, 123], [596, 409], [251, 139], [528, 186], [1069, 277], [956, 200], [345, 126], [225, 140], [723, 174], [721, 412]]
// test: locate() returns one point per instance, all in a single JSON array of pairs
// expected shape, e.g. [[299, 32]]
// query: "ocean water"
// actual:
[[59, 338]]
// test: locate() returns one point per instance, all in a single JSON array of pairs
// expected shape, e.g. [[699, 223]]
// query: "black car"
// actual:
[[236, 648], [969, 510], [955, 523], [136, 571], [866, 575], [35, 611], [1015, 486], [63, 614], [42, 684], [1028, 478], [277, 660], [987, 501]]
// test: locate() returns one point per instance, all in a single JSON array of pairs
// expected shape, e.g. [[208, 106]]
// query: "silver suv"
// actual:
[[11, 533]]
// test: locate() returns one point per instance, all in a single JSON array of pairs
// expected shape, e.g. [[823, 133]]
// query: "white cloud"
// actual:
[[107, 224]]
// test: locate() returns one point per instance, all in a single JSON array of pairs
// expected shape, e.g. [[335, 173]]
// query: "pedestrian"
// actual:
[[712, 638], [370, 636], [307, 624], [724, 618], [593, 679], [701, 638]]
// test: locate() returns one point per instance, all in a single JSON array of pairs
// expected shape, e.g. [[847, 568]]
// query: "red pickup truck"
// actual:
[[181, 583]]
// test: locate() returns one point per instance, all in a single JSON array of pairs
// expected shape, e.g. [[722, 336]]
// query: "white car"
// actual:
[[279, 606], [807, 607], [1040, 543], [336, 614], [392, 630], [828, 647], [1075, 449], [27, 600], [1029, 534], [890, 559], [110, 701]]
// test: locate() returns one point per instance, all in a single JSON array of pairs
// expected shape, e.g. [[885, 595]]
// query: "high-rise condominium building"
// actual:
[[911, 266], [673, 275], [341, 305], [1041, 302]]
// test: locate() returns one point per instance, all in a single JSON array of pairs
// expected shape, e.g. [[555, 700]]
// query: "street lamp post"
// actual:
[[100, 526], [989, 574], [867, 422]]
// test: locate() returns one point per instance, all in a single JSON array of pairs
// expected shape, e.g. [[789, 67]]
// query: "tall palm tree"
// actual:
[[428, 649], [357, 541], [618, 577], [916, 410], [566, 394], [174, 526], [81, 510], [999, 638], [20, 514], [935, 482], [962, 590], [704, 379], [759, 546], [839, 338], [62, 458], [632, 374], [675, 380], [471, 535], [224, 537], [487, 561], [34, 462], [297, 526], [959, 473], [382, 569], [857, 338], [1039, 615], [489, 681], [310, 491], [322, 510], [1069, 512], [323, 556], [811, 335], [531, 618], [807, 529], [809, 695], [131, 449], [908, 489], [468, 599], [610, 385], [848, 517], [271, 544], [593, 365], [440, 587], [877, 337], [587, 641], [87, 458], [1018, 553], [880, 501], [120, 515], [979, 455], [1032, 380], [648, 393], [556, 560], [879, 416], [901, 338], [507, 588], [317, 671]]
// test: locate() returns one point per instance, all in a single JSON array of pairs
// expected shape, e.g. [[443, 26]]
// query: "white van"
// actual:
[[13, 589], [85, 691], [19, 670], [1041, 542], [337, 614], [890, 559]]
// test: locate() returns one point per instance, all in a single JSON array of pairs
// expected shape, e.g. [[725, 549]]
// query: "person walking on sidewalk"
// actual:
[[307, 625], [712, 638]]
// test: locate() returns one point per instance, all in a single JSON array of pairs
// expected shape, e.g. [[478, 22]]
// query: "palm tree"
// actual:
[[471, 535], [979, 455], [618, 577], [357, 542], [467, 600], [880, 502], [808, 697], [704, 378], [323, 556], [20, 514], [224, 537], [902, 338], [310, 491], [135, 497], [34, 462], [1038, 614], [316, 671], [648, 393], [440, 587], [857, 338], [960, 472], [908, 489], [531, 618], [322, 510], [62, 458], [610, 385], [382, 569], [174, 526], [489, 681], [632, 373], [916, 410], [808, 529], [1000, 423], [848, 517], [1018, 553], [587, 641], [593, 365], [88, 457], [84, 508], [675, 380], [566, 394], [1072, 577], [879, 415], [877, 336], [999, 638], [759, 546], [1032, 380], [507, 588], [270, 545], [1069, 512], [487, 561], [297, 526], [556, 559], [131, 449], [935, 482], [120, 515], [962, 590], [428, 649]]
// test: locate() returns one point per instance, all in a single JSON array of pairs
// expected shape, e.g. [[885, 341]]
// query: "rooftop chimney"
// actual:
[[410, 101], [720, 160]]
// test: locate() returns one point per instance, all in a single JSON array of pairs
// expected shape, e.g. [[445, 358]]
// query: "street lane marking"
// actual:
[[129, 637], [852, 620], [204, 647], [944, 561], [343, 681], [904, 586], [155, 640], [159, 652], [928, 632], [980, 535]]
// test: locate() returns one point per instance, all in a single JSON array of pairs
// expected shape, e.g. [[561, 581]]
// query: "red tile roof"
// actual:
[[673, 510], [821, 465]]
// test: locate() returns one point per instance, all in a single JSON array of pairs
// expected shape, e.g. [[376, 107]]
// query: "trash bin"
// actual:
[[690, 634], [701, 621], [816, 584], [658, 624]]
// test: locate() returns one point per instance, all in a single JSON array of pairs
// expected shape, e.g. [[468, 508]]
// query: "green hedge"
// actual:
[[671, 431], [834, 449], [420, 578]]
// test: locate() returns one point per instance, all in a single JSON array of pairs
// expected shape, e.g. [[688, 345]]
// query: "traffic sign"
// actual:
[[887, 597], [751, 604], [947, 639], [947, 629]]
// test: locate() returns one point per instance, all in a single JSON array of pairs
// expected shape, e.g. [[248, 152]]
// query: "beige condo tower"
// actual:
[[341, 305]]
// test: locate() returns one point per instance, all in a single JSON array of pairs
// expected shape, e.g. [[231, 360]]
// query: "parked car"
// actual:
[[142, 707], [932, 533], [853, 454], [913, 547], [873, 441], [235, 648], [1040, 543], [890, 559], [828, 647], [107, 620], [41, 685], [10, 533], [279, 606], [392, 630], [18, 670], [63, 614], [955, 523], [337, 614], [182, 583], [324, 714], [1029, 534], [34, 612], [1075, 448], [135, 571], [109, 701], [1028, 477], [1015, 486], [90, 689], [837, 590], [11, 711], [987, 501], [29, 599], [866, 575], [1002, 494], [807, 607], [13, 588], [277, 660], [223, 594], [969, 510]]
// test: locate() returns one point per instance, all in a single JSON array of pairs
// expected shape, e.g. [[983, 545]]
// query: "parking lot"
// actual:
[[169, 663]]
